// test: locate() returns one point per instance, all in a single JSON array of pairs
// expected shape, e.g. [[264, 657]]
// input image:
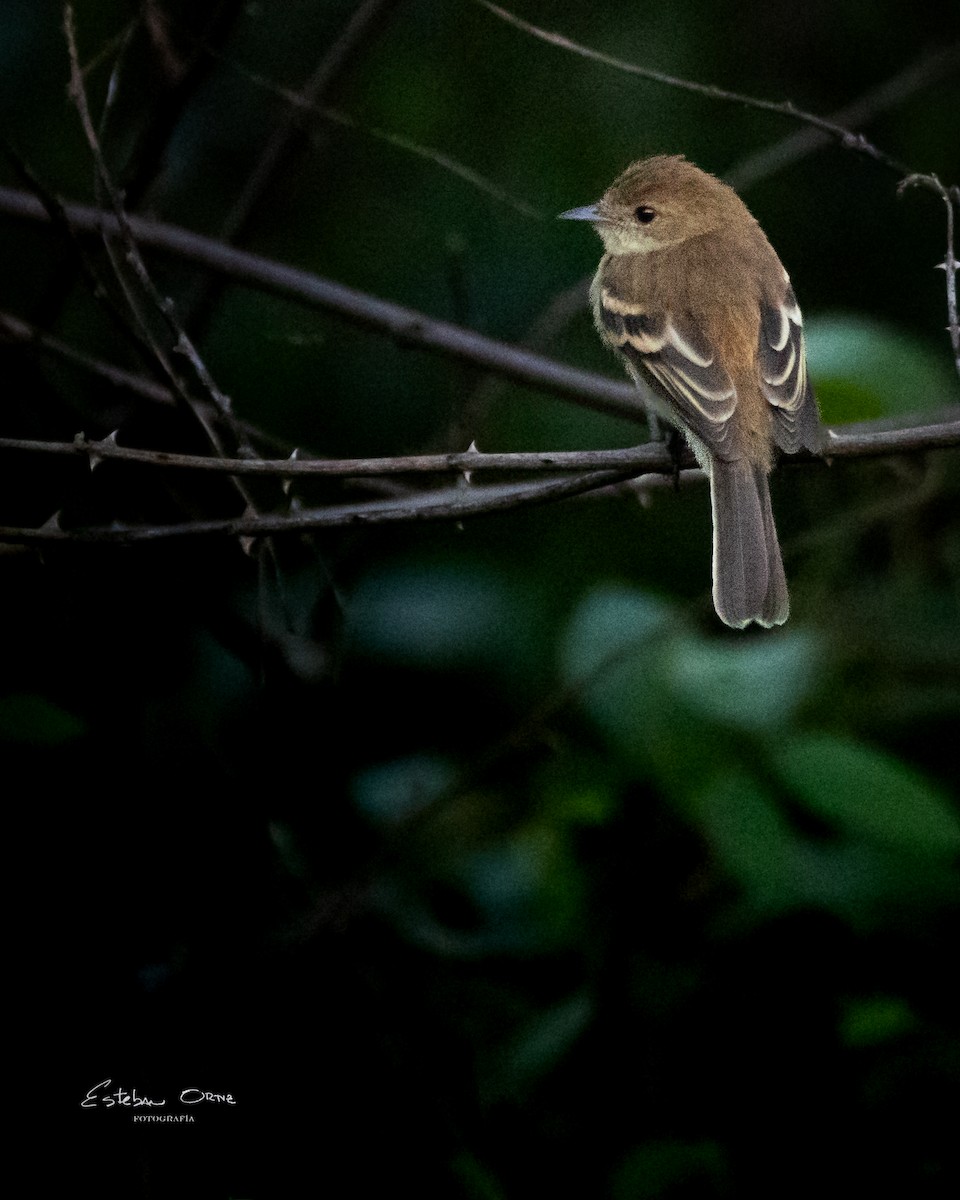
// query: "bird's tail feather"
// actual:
[[748, 579]]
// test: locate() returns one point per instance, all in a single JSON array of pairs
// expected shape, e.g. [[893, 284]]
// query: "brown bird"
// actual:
[[695, 299]]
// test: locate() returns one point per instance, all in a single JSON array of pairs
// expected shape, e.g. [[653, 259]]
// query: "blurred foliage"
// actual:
[[482, 858], [866, 370]]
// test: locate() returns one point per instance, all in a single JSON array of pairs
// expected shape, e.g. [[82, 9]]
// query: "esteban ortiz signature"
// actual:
[[98, 1097]]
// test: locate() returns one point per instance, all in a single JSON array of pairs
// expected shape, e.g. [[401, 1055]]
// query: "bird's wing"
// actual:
[[680, 361], [783, 375]]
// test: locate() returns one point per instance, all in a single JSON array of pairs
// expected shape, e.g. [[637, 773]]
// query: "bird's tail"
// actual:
[[748, 579]]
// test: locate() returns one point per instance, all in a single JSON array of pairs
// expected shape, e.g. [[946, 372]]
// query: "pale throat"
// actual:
[[618, 240]]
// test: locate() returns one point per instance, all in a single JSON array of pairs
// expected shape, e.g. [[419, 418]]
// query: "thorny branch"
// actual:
[[447, 504], [650, 456], [163, 306], [951, 198], [594, 469], [160, 305]]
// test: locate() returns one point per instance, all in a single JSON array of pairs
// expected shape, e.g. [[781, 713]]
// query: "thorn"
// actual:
[[95, 458], [247, 540], [641, 490], [288, 482], [53, 523], [471, 449]]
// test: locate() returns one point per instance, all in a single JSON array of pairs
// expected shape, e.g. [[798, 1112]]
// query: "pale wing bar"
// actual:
[[682, 363], [783, 375]]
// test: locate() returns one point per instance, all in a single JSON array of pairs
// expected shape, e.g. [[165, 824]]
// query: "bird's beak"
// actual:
[[590, 212]]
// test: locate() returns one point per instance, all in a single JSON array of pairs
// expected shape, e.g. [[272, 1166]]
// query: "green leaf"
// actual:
[[872, 1020], [580, 788], [445, 616], [869, 794], [750, 836], [526, 887], [863, 369], [32, 720], [612, 655], [672, 1168], [391, 793], [754, 684], [539, 1046], [612, 625]]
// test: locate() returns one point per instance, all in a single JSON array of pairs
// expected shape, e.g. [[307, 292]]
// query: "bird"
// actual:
[[693, 298]]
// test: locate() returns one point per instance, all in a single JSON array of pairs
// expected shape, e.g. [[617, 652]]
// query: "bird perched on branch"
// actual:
[[694, 298]]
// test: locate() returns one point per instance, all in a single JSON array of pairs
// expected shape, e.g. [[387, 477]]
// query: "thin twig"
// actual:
[[951, 198], [333, 116], [162, 305], [407, 326], [110, 47], [15, 330], [452, 503], [89, 272], [925, 70], [785, 108], [148, 296], [651, 457], [363, 25], [449, 504], [364, 22], [176, 79], [845, 442]]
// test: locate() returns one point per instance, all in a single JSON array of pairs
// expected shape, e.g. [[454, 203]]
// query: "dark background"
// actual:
[[481, 861]]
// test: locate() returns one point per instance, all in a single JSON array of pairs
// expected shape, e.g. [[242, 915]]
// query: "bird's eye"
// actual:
[[644, 214]]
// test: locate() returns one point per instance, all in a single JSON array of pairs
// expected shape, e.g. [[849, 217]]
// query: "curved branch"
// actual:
[[846, 137], [651, 457], [929, 68], [406, 326], [364, 23], [447, 504], [450, 503]]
